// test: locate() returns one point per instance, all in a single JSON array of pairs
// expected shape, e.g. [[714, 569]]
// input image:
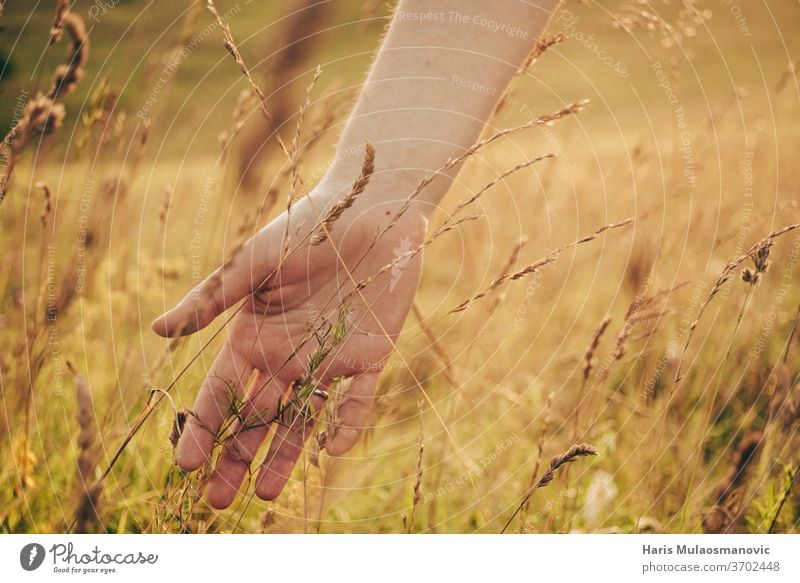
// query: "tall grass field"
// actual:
[[610, 345]]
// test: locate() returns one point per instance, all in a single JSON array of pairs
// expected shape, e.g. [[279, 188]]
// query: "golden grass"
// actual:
[[647, 337]]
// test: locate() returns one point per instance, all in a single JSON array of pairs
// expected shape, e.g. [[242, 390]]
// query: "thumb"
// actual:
[[243, 274]]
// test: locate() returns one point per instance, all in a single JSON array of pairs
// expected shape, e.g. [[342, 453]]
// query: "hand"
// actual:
[[272, 335]]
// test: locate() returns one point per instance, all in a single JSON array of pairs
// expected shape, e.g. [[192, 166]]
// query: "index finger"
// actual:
[[225, 381]]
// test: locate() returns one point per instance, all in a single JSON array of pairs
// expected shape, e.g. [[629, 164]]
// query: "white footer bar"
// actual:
[[354, 558]]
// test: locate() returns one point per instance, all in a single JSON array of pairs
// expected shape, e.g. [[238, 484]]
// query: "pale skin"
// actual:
[[434, 84]]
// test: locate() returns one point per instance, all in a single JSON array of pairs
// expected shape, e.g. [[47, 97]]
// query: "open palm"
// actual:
[[324, 316]]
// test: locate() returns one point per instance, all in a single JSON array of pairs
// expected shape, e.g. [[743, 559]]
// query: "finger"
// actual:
[[353, 414], [287, 445], [247, 436], [225, 380], [244, 273]]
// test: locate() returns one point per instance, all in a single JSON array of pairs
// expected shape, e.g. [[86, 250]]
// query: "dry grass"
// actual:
[[88, 491], [668, 340], [337, 209], [572, 454]]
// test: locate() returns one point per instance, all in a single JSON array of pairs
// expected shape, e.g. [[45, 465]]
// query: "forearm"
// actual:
[[440, 73]]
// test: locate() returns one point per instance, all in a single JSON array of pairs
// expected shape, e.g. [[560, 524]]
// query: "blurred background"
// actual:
[[135, 165]]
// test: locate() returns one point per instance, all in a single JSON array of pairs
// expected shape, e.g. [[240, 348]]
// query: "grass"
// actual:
[[647, 341]]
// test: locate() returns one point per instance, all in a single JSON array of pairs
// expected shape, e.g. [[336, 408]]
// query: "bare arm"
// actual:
[[436, 80], [438, 76]]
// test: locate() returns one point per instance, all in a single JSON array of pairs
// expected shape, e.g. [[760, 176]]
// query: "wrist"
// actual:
[[392, 190]]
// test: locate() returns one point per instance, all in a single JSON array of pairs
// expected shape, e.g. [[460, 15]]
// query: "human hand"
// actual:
[[294, 332]]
